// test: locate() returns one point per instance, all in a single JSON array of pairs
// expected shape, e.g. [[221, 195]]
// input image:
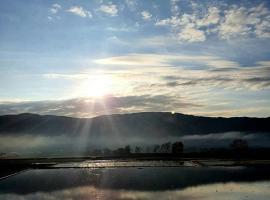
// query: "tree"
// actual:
[[156, 148], [148, 149], [165, 148], [137, 149], [177, 147], [97, 152], [122, 151], [119, 152], [127, 149], [107, 152], [239, 145]]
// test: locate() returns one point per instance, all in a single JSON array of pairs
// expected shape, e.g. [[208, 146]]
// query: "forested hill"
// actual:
[[136, 124]]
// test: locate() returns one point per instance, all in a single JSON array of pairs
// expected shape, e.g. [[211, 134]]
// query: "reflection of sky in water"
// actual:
[[222, 191], [140, 183]]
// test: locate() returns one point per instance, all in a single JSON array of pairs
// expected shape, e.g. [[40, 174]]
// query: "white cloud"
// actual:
[[66, 76], [110, 9], [229, 22], [174, 7], [131, 4], [159, 81], [156, 41], [191, 34], [55, 8], [162, 60], [134, 60], [263, 29], [120, 29], [80, 11], [50, 18], [175, 22], [212, 17], [185, 27], [146, 15], [214, 71], [243, 21], [235, 23], [90, 107]]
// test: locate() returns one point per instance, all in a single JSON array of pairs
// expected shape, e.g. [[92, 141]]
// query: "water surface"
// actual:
[[165, 182]]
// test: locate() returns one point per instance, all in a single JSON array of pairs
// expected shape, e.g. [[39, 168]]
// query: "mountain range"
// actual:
[[44, 135], [145, 124]]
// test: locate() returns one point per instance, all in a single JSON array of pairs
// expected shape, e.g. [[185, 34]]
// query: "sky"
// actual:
[[90, 58]]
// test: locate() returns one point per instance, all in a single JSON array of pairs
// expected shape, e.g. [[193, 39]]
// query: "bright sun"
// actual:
[[96, 86]]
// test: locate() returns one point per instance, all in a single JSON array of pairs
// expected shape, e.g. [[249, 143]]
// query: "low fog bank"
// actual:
[[62, 145]]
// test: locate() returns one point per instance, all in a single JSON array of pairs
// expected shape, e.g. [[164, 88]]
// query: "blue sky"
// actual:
[[88, 58]]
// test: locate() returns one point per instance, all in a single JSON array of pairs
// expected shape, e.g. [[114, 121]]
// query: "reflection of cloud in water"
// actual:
[[145, 179], [222, 191]]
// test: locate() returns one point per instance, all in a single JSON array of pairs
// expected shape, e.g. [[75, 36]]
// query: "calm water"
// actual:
[[140, 183]]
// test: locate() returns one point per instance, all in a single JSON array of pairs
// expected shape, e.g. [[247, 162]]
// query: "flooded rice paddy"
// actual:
[[139, 180]]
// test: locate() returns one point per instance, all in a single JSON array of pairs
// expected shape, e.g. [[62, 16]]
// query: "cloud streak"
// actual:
[[90, 107], [160, 81], [191, 70], [167, 60]]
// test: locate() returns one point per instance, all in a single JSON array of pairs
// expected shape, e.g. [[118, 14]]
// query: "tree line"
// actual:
[[175, 148], [165, 148]]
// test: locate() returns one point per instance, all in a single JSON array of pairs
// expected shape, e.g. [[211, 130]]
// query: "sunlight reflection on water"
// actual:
[[235, 191], [216, 183], [124, 163]]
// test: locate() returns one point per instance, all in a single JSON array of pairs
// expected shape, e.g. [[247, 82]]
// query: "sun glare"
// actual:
[[96, 87]]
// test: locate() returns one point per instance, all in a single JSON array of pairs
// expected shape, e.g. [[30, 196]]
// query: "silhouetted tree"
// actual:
[[165, 148], [148, 149], [177, 148], [97, 152], [119, 152], [156, 148], [239, 145], [127, 149], [107, 152], [137, 149], [122, 151]]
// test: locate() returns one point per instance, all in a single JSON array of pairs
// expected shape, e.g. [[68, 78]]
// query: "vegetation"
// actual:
[[165, 148], [238, 149]]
